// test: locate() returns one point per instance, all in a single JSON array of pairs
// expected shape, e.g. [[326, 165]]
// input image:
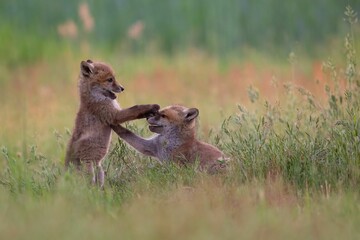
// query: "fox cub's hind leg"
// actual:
[[95, 172], [90, 170], [100, 176]]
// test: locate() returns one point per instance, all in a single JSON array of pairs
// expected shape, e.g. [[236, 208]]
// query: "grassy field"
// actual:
[[291, 127]]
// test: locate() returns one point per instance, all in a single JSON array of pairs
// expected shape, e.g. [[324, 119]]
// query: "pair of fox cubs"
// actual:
[[99, 112]]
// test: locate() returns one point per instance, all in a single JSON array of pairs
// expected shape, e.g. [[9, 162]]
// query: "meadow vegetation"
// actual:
[[291, 128]]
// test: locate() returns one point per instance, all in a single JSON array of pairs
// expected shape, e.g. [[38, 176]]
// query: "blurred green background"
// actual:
[[34, 29]]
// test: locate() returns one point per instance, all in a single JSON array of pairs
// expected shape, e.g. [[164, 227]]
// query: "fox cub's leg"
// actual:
[[100, 175], [135, 112], [145, 146], [89, 170], [95, 171]]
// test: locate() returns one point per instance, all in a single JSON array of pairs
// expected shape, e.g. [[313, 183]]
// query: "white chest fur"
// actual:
[[116, 104]]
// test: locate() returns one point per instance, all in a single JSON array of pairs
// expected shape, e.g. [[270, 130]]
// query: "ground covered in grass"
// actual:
[[208, 208]]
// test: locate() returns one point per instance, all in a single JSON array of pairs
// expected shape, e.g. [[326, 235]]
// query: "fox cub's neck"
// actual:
[[177, 137], [91, 94]]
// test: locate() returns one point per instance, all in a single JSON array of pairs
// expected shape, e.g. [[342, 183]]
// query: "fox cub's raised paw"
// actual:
[[148, 110]]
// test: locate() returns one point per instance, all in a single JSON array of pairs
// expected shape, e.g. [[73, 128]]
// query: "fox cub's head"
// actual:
[[173, 118], [100, 78]]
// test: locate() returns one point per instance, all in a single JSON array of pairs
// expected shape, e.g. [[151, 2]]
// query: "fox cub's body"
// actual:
[[175, 139], [91, 136]]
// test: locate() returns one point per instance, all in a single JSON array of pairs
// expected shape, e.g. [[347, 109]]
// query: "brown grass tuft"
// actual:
[[86, 18], [68, 29]]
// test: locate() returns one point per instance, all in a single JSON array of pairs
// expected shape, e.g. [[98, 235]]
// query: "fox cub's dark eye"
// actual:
[[110, 79]]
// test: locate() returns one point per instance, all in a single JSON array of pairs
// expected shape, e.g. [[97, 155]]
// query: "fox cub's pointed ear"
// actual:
[[191, 114], [86, 68]]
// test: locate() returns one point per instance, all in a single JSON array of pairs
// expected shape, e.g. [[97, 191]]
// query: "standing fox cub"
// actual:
[[98, 110], [175, 139]]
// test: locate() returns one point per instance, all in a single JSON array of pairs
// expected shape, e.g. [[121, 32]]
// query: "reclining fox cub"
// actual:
[[175, 139], [98, 110]]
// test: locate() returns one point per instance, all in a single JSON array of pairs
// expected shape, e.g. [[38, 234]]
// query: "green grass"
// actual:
[[295, 154], [162, 203]]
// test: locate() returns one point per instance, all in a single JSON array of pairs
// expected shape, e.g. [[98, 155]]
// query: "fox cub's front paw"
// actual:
[[149, 110]]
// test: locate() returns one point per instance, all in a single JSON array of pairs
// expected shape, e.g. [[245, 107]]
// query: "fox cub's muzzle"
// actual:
[[117, 88]]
